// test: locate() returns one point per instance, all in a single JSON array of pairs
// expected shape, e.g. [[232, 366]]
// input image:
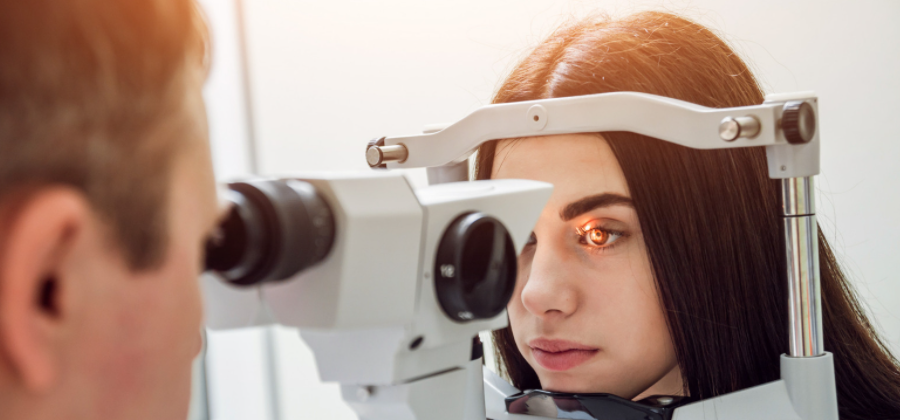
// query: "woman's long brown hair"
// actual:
[[710, 218]]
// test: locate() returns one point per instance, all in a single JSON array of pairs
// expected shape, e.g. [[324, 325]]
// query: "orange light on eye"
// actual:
[[597, 237]]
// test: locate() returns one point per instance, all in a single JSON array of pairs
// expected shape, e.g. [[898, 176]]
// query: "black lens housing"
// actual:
[[475, 268], [274, 230]]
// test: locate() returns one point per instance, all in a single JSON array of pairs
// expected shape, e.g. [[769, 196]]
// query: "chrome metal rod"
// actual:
[[802, 252], [798, 197]]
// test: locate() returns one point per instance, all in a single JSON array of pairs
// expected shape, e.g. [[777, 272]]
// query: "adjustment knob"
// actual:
[[475, 268], [798, 122]]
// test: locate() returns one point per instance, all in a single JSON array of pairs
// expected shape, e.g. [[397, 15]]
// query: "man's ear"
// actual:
[[34, 290]]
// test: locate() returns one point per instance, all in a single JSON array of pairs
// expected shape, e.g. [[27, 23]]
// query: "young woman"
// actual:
[[657, 269]]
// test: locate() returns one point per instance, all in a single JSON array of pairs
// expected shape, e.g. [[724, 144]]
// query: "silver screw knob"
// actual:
[[378, 155], [731, 129]]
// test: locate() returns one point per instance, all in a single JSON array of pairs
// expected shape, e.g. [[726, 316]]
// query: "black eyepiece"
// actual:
[[274, 230]]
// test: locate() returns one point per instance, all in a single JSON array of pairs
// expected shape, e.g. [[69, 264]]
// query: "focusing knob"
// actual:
[[798, 122], [475, 268]]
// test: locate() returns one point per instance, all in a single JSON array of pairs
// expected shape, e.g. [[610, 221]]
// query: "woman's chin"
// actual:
[[568, 385], [582, 385]]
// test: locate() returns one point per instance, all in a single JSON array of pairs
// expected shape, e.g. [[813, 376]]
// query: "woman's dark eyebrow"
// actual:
[[586, 204]]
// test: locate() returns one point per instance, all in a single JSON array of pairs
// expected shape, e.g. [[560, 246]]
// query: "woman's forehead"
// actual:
[[576, 164]]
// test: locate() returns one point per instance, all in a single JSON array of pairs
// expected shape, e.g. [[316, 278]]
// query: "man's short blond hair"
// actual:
[[92, 96]]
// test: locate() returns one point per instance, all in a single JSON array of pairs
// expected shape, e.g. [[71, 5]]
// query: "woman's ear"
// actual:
[[35, 289]]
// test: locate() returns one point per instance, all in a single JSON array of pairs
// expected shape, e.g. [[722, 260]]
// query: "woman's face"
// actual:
[[585, 313]]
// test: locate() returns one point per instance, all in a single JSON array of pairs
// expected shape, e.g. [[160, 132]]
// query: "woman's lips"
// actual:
[[560, 354]]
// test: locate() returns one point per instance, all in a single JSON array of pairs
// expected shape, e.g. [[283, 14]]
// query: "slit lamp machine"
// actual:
[[390, 286]]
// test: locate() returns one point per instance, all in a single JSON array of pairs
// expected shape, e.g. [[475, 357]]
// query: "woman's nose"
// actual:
[[549, 290]]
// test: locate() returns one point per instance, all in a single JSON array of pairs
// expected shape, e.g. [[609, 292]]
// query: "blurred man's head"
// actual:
[[106, 197]]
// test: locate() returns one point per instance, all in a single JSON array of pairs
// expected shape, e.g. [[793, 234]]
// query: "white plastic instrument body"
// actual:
[[369, 310]]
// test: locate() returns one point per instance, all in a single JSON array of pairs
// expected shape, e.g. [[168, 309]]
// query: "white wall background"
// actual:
[[327, 76]]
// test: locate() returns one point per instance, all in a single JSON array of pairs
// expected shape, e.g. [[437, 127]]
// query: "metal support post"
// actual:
[[802, 252]]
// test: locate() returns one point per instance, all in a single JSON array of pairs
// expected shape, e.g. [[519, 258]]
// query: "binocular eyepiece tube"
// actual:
[[274, 230]]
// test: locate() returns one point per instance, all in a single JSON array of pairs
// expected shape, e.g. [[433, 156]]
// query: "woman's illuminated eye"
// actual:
[[599, 237]]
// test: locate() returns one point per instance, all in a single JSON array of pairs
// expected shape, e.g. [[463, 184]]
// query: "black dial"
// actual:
[[798, 122]]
